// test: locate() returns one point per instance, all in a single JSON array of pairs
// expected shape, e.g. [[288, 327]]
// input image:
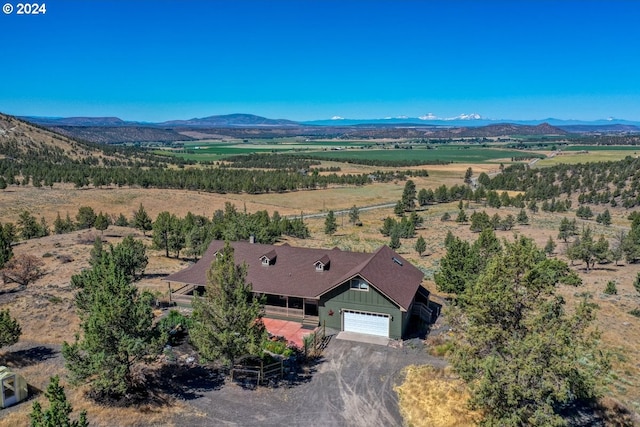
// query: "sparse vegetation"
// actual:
[[611, 288]]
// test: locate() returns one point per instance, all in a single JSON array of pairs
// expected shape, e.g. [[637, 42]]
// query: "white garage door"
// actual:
[[366, 323]]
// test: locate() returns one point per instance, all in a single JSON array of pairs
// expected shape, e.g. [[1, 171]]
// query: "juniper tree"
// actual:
[[394, 243], [162, 229], [408, 196], [57, 415], [227, 319], [354, 214], [7, 238], [522, 217], [142, 220], [130, 256], [420, 246], [117, 331], [521, 354], [550, 246], [101, 223], [330, 224], [86, 217], [10, 330]]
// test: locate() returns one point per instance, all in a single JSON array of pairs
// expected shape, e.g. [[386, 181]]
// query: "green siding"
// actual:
[[373, 301]]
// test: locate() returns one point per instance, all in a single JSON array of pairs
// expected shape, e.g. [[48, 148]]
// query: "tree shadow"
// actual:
[[30, 356], [153, 275], [593, 413], [187, 382]]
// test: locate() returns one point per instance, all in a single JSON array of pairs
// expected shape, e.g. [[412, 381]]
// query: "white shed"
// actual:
[[13, 387]]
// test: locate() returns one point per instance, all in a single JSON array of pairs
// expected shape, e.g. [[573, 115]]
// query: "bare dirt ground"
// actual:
[[351, 385]]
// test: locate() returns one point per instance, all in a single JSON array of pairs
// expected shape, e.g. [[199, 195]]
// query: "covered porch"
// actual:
[[304, 310]]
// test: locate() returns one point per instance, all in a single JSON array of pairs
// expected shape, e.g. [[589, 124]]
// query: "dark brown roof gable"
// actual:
[[294, 273]]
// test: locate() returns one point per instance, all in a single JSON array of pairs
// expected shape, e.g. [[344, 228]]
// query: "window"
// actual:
[[359, 284], [9, 387], [319, 266]]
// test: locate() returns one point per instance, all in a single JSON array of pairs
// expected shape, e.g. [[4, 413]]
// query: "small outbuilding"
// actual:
[[13, 387]]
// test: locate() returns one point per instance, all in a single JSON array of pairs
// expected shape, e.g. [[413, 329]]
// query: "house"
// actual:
[[373, 293], [13, 387]]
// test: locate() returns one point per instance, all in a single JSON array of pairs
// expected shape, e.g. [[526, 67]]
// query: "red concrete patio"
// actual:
[[291, 331]]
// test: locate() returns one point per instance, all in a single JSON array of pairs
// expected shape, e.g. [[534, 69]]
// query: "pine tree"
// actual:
[[354, 215], [455, 267], [550, 246], [162, 228], [130, 256], [420, 246], [330, 224], [394, 243], [467, 176], [101, 223], [7, 238], [118, 333], [29, 227], [408, 196], [462, 216], [97, 252], [59, 409], [142, 220], [86, 217], [227, 320], [522, 217], [10, 330]]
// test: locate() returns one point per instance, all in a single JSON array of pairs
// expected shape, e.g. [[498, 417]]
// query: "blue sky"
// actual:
[[298, 59]]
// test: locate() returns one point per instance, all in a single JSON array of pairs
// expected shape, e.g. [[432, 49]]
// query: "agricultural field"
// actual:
[[574, 154], [341, 150]]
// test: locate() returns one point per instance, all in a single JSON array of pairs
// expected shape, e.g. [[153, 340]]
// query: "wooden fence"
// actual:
[[315, 342], [259, 373]]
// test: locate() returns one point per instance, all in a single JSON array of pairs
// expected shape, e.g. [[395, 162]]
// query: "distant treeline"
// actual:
[[615, 183], [272, 161], [381, 162]]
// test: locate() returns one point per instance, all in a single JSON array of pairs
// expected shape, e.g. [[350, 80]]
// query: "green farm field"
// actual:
[[585, 153], [352, 150], [454, 153]]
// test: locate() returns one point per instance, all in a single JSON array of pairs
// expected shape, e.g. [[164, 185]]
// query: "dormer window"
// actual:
[[322, 264], [268, 258]]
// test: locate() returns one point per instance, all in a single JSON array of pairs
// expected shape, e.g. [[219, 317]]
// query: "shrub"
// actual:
[[611, 288], [635, 312], [175, 325]]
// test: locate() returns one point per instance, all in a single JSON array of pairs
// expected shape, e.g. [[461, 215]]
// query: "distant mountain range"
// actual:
[[428, 120], [116, 130]]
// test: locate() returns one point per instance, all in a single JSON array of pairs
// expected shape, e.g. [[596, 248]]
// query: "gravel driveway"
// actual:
[[351, 386]]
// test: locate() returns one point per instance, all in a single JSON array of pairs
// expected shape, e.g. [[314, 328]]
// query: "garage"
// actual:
[[366, 323]]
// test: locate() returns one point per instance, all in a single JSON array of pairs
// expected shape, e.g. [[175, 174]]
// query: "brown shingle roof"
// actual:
[[294, 273]]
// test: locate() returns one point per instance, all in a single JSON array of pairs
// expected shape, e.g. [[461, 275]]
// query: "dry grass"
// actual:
[[435, 398], [46, 312]]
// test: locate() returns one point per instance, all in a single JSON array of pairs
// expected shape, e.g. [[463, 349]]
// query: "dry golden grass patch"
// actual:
[[435, 398]]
